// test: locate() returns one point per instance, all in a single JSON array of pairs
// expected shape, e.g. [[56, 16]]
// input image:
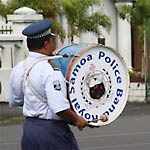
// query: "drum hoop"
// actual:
[[56, 51], [72, 62]]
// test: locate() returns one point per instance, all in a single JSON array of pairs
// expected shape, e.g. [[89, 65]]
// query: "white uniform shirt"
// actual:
[[48, 82]]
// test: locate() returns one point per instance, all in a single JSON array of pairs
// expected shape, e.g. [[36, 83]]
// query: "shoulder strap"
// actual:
[[53, 65], [35, 92], [26, 78]]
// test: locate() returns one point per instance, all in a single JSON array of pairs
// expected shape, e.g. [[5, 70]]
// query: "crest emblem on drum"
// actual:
[[96, 85], [96, 88], [97, 91]]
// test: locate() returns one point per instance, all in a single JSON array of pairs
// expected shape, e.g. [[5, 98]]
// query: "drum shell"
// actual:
[[63, 63], [114, 69]]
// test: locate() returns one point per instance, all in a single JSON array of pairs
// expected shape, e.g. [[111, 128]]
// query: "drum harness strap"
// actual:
[[27, 79]]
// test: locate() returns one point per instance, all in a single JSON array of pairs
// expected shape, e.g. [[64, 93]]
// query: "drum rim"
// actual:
[[72, 62]]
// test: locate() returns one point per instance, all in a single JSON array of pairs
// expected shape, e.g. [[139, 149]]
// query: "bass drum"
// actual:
[[98, 81]]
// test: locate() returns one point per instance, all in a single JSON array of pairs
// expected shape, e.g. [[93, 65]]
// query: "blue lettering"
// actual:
[[89, 57], [95, 117], [72, 81], [112, 109], [74, 100], [101, 54], [83, 61], [107, 59], [119, 92], [78, 67], [106, 113], [116, 101], [77, 106], [112, 64], [117, 73], [76, 70], [82, 111], [115, 66], [72, 90], [119, 79], [87, 116]]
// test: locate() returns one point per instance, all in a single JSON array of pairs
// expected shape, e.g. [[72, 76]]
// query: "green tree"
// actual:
[[2, 9], [80, 20], [49, 9], [139, 15], [46, 7]]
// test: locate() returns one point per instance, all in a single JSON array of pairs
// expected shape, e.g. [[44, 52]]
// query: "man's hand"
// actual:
[[104, 118], [81, 123], [73, 118]]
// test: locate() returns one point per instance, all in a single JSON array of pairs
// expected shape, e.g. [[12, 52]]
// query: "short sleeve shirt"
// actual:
[[49, 83]]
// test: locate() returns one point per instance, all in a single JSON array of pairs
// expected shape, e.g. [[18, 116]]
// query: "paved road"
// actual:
[[130, 131]]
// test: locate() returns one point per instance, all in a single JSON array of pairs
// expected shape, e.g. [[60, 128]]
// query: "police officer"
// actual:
[[38, 86]]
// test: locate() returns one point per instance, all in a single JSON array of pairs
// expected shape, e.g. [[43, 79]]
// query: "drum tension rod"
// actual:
[[66, 55]]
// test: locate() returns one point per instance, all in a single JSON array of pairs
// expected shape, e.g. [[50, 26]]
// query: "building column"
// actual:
[[124, 37], [12, 50]]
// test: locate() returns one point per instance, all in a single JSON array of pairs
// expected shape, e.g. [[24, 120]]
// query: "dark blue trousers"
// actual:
[[41, 134]]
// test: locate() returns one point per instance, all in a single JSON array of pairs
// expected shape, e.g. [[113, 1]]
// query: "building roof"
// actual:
[[24, 10]]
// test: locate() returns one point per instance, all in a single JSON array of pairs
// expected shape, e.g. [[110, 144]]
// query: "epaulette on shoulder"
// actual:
[[53, 65]]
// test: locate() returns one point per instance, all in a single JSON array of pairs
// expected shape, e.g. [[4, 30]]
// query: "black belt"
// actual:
[[37, 118], [43, 119]]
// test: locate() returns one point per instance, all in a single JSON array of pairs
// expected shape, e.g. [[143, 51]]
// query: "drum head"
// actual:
[[99, 83]]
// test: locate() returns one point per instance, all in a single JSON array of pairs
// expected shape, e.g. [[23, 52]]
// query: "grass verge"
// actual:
[[18, 119]]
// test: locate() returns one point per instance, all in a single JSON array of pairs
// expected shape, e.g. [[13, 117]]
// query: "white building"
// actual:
[[119, 37], [12, 44], [13, 48]]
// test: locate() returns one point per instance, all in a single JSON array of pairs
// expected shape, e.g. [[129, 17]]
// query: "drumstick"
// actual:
[[100, 119]]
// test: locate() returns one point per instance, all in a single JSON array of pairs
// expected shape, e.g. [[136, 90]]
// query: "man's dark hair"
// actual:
[[34, 44]]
